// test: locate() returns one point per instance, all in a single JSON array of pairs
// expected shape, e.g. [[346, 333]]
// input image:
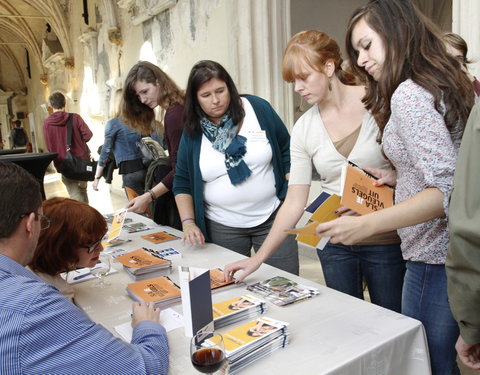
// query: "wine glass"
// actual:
[[207, 351], [101, 269]]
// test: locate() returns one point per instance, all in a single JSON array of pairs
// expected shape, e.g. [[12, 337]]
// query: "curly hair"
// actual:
[[73, 224], [414, 49], [138, 116], [315, 48]]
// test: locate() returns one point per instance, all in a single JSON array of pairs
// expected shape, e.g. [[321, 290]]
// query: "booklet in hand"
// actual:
[[324, 208], [359, 192]]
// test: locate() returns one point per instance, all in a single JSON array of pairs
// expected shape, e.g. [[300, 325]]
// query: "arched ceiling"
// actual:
[[23, 25]]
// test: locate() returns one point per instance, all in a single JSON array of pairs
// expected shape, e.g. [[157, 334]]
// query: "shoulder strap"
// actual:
[[69, 130]]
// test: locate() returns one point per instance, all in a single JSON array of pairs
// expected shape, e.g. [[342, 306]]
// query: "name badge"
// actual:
[[257, 136]]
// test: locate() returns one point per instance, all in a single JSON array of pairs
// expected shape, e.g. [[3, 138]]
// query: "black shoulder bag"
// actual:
[[74, 167]]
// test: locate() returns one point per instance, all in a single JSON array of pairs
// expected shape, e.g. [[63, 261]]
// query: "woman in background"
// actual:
[[122, 141], [421, 100], [232, 166], [147, 87], [73, 240], [458, 48], [335, 130]]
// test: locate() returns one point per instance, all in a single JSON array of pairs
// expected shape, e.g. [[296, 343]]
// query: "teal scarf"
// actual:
[[225, 139]]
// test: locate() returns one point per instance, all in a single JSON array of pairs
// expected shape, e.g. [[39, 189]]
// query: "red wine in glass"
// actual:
[[208, 360]]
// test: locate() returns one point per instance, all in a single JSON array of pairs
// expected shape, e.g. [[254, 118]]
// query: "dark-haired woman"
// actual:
[[145, 88], [232, 166], [421, 100], [73, 240]]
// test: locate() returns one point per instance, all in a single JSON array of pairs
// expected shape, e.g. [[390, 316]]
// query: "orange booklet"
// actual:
[[157, 290], [141, 258], [159, 237], [359, 193], [216, 279], [325, 212]]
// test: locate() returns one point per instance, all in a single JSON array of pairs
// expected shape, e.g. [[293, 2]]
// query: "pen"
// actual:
[[84, 275]]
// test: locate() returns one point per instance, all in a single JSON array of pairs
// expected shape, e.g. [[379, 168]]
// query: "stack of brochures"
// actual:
[[142, 264], [237, 309], [282, 291], [252, 341], [160, 290]]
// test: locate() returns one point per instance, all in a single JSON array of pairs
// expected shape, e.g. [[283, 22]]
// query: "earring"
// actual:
[[330, 84]]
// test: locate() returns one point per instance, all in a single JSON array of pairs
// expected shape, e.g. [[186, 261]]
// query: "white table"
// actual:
[[331, 333]]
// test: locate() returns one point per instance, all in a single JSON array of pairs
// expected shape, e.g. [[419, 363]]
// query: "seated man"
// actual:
[[42, 332]]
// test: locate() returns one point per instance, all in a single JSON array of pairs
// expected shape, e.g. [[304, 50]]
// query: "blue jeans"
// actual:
[[381, 266], [425, 298]]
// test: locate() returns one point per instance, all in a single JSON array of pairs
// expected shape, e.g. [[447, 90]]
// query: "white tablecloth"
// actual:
[[331, 333]]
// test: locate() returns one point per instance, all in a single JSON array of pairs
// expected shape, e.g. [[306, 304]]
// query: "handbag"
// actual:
[[150, 149], [74, 167]]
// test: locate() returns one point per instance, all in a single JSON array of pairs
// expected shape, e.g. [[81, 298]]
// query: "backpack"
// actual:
[[150, 150], [19, 137]]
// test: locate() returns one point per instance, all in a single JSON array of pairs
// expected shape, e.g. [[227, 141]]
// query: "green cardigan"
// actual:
[[463, 257], [188, 177]]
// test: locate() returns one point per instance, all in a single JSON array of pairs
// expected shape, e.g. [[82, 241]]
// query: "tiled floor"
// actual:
[[106, 201]]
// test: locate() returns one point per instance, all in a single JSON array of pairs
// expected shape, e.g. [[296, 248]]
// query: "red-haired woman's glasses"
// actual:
[[44, 221], [92, 247]]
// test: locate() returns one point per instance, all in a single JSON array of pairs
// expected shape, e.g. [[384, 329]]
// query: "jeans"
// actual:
[[241, 240], [76, 189], [381, 266], [425, 298], [135, 181]]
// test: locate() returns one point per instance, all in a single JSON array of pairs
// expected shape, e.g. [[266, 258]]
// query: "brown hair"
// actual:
[[72, 224], [414, 50], [314, 48], [138, 116], [203, 71], [457, 42]]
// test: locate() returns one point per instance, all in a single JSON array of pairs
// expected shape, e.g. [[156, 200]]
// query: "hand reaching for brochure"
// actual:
[[347, 230], [192, 235], [139, 204], [385, 176], [248, 266], [144, 311]]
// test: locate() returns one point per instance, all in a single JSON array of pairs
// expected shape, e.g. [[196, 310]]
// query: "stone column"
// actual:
[[259, 37], [465, 16]]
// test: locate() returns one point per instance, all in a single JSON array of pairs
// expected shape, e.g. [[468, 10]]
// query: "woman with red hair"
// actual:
[[72, 240]]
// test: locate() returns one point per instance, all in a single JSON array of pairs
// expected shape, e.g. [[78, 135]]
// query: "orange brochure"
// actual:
[[325, 212], [159, 237], [360, 194], [141, 258]]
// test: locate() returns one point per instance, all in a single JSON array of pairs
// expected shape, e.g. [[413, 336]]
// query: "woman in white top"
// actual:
[[232, 166], [335, 130]]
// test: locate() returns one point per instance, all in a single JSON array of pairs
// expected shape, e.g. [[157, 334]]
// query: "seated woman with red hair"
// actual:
[[72, 240]]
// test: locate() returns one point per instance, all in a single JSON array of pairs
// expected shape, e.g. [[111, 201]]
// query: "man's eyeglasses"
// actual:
[[92, 247], [44, 221]]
